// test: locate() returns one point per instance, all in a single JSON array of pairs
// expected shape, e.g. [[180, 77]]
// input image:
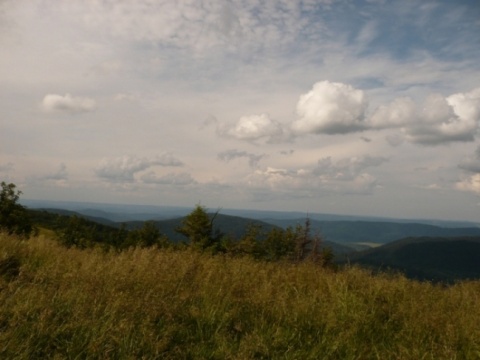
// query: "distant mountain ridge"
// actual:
[[233, 226], [127, 212], [380, 232], [336, 229], [421, 251]]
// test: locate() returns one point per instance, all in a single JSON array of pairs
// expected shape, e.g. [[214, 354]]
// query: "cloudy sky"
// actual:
[[349, 107]]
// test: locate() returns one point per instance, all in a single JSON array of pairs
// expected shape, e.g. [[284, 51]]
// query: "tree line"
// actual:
[[293, 243]]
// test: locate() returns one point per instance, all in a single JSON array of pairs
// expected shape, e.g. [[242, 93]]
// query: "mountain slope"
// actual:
[[426, 258], [233, 226], [380, 232]]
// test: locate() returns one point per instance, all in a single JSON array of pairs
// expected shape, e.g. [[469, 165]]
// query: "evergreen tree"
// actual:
[[198, 228], [249, 244], [148, 235], [279, 244], [303, 240]]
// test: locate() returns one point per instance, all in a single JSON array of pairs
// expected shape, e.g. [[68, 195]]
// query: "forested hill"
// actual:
[[233, 226], [426, 258], [340, 232], [437, 258], [380, 232]]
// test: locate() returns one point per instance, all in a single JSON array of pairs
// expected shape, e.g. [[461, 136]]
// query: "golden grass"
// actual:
[[162, 304]]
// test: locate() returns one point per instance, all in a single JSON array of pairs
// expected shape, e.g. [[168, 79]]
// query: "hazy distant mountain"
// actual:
[[426, 258], [97, 219], [127, 212], [114, 212], [425, 251], [380, 232]]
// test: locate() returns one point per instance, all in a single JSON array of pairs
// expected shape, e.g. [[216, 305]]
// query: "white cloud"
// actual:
[[466, 105], [347, 168], [367, 34], [346, 176], [471, 184], [123, 169], [168, 179], [254, 127], [471, 163], [68, 103], [398, 113], [331, 108], [336, 108], [444, 120], [203, 26], [232, 154]]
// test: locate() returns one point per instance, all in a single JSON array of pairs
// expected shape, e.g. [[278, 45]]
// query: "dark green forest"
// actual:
[[431, 254]]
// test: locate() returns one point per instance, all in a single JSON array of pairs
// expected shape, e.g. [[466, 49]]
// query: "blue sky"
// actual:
[[348, 107]]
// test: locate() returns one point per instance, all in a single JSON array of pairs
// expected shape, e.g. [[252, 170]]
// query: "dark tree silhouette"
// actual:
[[198, 228], [14, 218]]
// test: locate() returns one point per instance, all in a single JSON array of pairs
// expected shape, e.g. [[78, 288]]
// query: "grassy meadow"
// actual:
[[66, 303]]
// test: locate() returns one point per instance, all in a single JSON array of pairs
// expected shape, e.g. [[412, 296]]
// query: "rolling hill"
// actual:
[[380, 232], [426, 258], [425, 252]]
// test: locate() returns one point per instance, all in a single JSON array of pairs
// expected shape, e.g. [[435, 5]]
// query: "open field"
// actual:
[[148, 303]]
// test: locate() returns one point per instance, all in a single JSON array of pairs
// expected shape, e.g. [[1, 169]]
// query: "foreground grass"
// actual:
[[88, 304]]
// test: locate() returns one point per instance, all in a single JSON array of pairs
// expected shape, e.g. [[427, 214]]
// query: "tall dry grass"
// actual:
[[151, 304]]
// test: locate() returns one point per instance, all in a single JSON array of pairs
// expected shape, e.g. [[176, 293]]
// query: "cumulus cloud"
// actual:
[[331, 108], [336, 108], [168, 179], [254, 127], [398, 113], [471, 184], [439, 120], [123, 169], [348, 168], [471, 163], [68, 103], [443, 120], [346, 176], [232, 154]]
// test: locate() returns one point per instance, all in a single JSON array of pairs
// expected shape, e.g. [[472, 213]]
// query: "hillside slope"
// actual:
[[233, 226], [380, 232], [426, 258]]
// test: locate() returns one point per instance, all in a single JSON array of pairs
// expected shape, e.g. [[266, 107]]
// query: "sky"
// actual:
[[364, 107]]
